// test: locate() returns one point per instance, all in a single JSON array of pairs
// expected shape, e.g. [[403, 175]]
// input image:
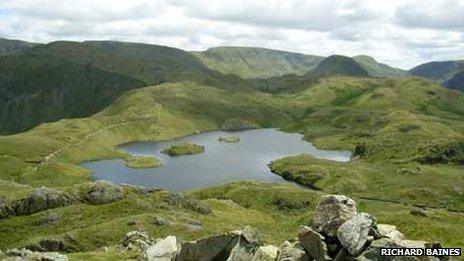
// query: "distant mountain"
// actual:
[[448, 73], [14, 46], [152, 64], [250, 62], [376, 69], [42, 88], [339, 65]]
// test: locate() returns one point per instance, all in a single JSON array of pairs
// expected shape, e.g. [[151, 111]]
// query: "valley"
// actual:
[[405, 135]]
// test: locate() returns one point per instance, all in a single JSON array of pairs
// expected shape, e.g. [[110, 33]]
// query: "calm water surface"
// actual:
[[221, 162]]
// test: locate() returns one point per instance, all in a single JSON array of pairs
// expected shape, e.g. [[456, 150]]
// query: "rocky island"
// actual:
[[229, 139], [136, 162], [184, 149]]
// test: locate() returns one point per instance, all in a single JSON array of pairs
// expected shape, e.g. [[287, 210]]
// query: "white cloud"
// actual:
[[401, 33]]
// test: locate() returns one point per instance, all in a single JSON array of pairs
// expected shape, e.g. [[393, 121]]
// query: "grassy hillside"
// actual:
[[339, 65], [376, 69], [8, 46], [38, 88], [448, 73], [406, 135], [251, 62], [152, 64]]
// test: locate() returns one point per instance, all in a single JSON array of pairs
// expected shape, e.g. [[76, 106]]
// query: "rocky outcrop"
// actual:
[[103, 192], [338, 232], [177, 200], [331, 212], [28, 255], [162, 250], [42, 199]]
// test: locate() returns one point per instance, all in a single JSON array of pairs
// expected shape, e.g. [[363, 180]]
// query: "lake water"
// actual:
[[221, 162]]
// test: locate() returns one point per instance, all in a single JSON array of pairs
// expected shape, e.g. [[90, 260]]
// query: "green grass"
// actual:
[[142, 162], [184, 149], [229, 139], [393, 125]]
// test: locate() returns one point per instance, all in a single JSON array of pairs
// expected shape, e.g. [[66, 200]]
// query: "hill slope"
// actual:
[[8, 46], [448, 73], [339, 65], [152, 64], [376, 69], [37, 88], [250, 62]]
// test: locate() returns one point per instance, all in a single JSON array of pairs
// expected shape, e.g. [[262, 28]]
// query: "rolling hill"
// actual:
[[448, 73], [376, 69], [251, 62], [38, 88], [339, 65], [8, 46]]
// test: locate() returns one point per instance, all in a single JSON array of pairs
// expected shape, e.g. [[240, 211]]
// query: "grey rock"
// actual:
[[136, 240], [103, 192], [418, 212], [49, 245], [389, 231], [177, 200], [160, 221], [313, 243], [353, 234], [42, 199], [162, 250], [291, 252], [233, 246], [266, 253], [25, 254], [331, 212], [211, 248]]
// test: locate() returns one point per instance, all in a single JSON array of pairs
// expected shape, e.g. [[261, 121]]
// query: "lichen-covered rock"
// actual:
[[390, 231], [136, 240], [163, 250], [103, 192], [291, 252], [177, 200], [331, 212], [313, 243], [353, 234], [42, 199], [50, 245], [28, 255], [266, 253], [233, 246], [211, 248]]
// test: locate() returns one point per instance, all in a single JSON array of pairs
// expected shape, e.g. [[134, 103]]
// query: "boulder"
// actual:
[[160, 221], [233, 246], [291, 252], [266, 253], [177, 200], [162, 250], [50, 245], [313, 243], [390, 231], [136, 240], [211, 248], [25, 254], [331, 212], [354, 233], [42, 199], [103, 192]]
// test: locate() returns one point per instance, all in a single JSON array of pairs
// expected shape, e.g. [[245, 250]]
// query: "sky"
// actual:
[[400, 33]]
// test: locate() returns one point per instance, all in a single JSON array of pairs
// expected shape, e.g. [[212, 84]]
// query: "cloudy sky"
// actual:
[[401, 33]]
